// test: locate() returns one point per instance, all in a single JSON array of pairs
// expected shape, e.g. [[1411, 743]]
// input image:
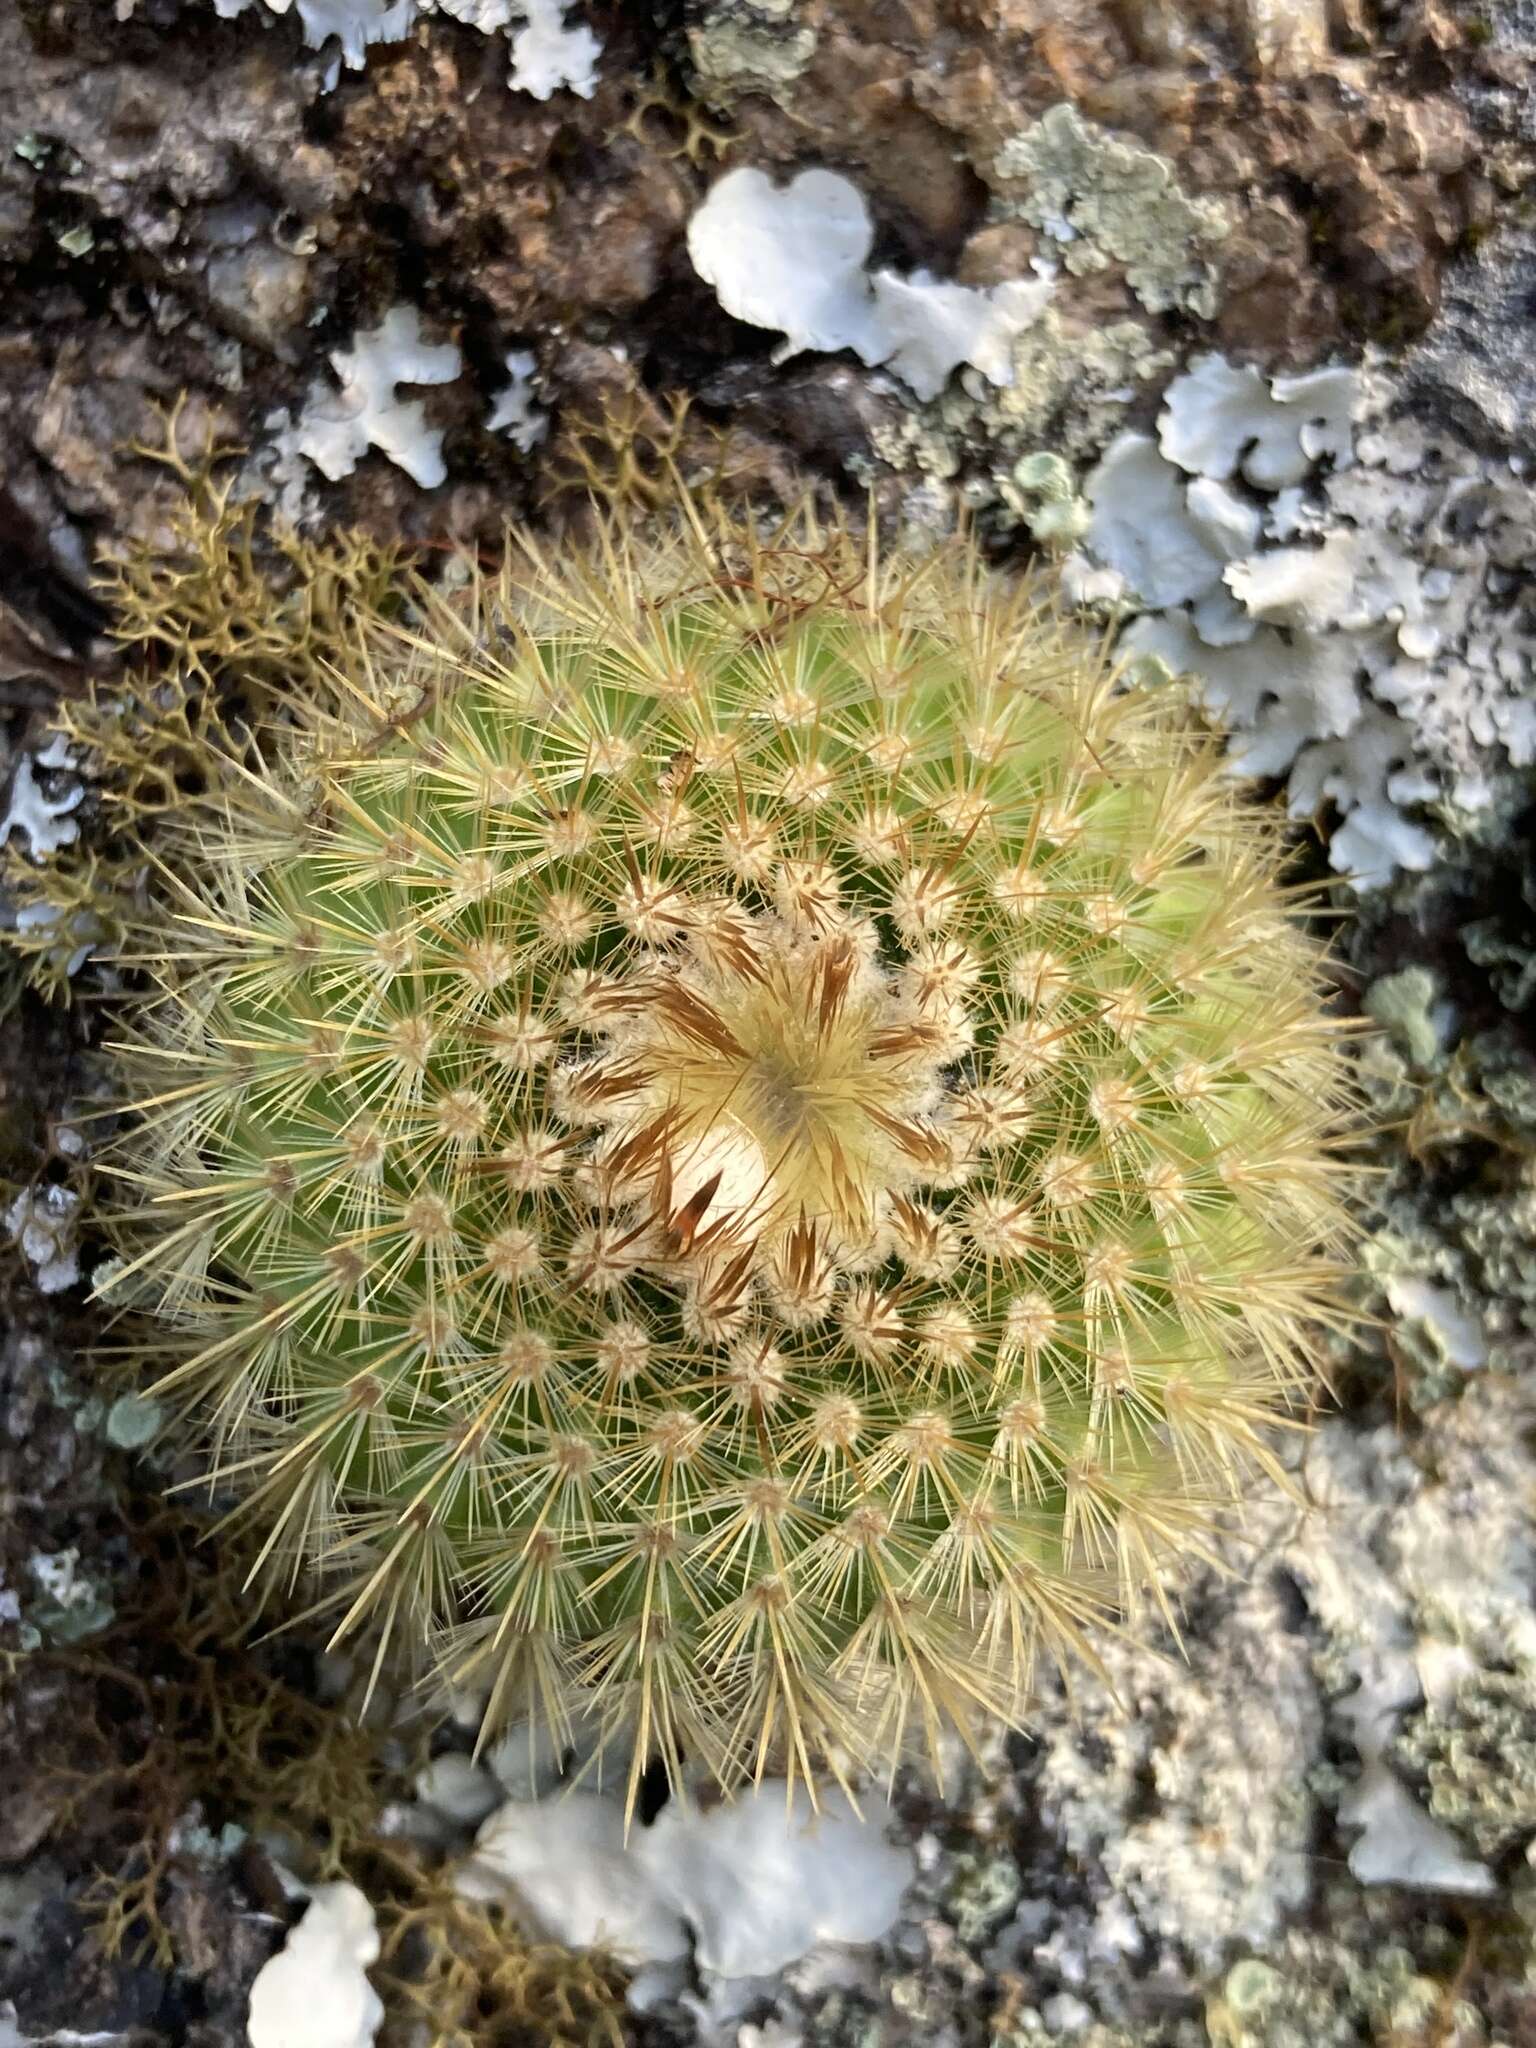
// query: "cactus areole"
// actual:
[[745, 1149]]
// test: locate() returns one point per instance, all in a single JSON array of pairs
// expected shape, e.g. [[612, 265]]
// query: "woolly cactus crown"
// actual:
[[751, 1149]]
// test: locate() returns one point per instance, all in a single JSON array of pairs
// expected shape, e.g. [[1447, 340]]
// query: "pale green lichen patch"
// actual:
[[1062, 373], [133, 1421], [746, 46], [1403, 1005], [1318, 1992], [1067, 393], [64, 1605], [1453, 1250], [1478, 1752], [1107, 201], [1043, 491]]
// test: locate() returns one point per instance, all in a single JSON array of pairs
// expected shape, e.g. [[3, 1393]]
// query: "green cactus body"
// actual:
[[761, 1156]]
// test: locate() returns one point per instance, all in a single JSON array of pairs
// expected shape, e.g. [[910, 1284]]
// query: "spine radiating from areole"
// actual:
[[752, 1146]]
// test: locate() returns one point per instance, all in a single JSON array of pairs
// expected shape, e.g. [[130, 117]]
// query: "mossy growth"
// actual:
[[224, 619], [630, 456], [228, 595], [197, 1715], [456, 1973], [664, 119], [179, 1709], [738, 1142]]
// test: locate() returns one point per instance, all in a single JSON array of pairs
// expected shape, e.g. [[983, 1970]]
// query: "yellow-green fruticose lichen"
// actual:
[[760, 1156]]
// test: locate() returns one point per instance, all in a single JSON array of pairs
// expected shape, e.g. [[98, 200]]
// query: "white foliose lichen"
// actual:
[[65, 1604], [571, 1877], [792, 259], [548, 53], [1452, 1330], [44, 1222], [746, 1887], [314, 1993], [1344, 592], [353, 24], [40, 808], [1223, 420], [550, 56], [514, 411], [337, 428]]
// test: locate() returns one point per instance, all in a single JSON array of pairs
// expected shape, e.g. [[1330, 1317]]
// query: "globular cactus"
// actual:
[[754, 1144]]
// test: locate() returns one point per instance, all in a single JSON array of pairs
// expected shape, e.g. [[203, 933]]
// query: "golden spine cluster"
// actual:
[[754, 1145]]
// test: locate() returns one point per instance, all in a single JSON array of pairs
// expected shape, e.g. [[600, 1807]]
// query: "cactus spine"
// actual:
[[757, 1155]]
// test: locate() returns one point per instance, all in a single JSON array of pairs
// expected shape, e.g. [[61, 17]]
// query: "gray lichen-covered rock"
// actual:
[[739, 46], [1359, 1978], [1184, 1781], [1416, 1564]]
